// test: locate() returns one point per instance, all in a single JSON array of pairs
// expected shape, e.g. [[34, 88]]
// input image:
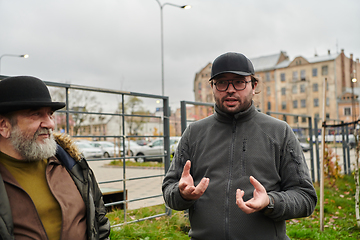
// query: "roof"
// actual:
[[323, 58], [265, 62]]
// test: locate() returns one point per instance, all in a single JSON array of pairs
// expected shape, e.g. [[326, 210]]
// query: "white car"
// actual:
[[155, 148], [174, 141], [109, 149], [89, 151]]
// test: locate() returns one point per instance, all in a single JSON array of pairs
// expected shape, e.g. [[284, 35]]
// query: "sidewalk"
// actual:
[[136, 188]]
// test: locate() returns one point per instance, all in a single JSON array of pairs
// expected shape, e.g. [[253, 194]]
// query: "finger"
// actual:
[[186, 170], [257, 185], [202, 186], [239, 198]]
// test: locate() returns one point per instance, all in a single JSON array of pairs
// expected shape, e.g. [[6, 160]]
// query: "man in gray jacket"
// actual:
[[240, 173]]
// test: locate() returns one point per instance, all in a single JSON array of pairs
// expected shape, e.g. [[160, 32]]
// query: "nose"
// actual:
[[231, 87], [48, 121]]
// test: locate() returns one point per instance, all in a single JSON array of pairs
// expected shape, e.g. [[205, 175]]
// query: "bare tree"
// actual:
[[79, 101], [133, 107]]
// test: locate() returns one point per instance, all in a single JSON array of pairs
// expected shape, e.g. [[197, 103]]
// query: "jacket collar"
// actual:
[[239, 117]]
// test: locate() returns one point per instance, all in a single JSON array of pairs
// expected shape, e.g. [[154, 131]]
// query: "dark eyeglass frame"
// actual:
[[232, 82]]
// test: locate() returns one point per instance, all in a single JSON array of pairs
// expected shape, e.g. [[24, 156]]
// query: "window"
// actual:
[[294, 89], [283, 105], [267, 75], [295, 104], [316, 102], [303, 75], [315, 87], [327, 101], [269, 105], [302, 88], [303, 103], [296, 119], [199, 86], [314, 72], [303, 119], [327, 115], [347, 111], [268, 91], [317, 115], [295, 76], [282, 77], [324, 70], [283, 91]]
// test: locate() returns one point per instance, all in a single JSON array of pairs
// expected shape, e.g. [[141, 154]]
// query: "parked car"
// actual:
[[109, 149], [305, 146], [155, 148], [131, 148], [88, 150], [142, 142], [174, 141]]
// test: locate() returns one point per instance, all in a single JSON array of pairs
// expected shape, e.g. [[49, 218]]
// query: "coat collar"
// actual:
[[238, 117]]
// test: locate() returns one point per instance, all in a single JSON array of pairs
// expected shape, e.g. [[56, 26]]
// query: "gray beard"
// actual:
[[29, 148]]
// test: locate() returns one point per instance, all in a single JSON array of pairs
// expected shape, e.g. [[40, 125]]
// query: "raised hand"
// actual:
[[259, 201], [186, 184]]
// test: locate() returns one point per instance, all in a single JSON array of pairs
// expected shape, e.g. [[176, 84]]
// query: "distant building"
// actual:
[[296, 86]]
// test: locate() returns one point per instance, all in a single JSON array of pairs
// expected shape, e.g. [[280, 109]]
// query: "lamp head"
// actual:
[[186, 6]]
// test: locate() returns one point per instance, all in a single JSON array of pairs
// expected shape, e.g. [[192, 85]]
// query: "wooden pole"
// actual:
[[322, 159]]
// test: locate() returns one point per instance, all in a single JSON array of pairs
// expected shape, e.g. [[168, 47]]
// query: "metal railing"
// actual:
[[121, 136]]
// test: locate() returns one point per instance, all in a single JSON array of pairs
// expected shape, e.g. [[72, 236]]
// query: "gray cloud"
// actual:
[[116, 43]]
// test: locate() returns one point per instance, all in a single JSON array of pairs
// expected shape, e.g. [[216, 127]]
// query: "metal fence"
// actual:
[[70, 94]]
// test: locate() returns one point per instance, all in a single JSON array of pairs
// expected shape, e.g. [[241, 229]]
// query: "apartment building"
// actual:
[[296, 86]]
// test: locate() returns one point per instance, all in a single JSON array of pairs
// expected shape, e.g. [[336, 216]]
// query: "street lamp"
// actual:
[[162, 38], [12, 55]]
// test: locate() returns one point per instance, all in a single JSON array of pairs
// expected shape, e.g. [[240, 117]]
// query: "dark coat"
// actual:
[[228, 150], [98, 226]]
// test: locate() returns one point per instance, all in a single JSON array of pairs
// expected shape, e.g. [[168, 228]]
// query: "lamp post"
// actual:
[[162, 38], [12, 55]]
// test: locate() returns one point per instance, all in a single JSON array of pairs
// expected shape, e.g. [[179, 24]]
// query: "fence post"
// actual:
[[344, 147], [316, 130], [311, 150], [348, 150], [183, 116]]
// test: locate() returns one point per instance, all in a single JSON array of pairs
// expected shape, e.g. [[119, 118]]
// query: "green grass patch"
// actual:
[[339, 213], [119, 163]]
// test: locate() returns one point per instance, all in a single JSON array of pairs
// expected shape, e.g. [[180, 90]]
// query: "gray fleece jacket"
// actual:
[[229, 149]]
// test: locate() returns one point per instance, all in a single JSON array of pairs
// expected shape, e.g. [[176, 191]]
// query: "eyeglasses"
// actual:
[[223, 85]]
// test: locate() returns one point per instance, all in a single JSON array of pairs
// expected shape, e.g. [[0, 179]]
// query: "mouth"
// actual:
[[43, 134], [230, 101]]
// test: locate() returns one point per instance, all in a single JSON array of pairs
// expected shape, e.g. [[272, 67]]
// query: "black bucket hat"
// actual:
[[23, 92], [232, 62]]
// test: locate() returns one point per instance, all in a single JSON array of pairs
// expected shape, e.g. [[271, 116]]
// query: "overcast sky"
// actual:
[[116, 44]]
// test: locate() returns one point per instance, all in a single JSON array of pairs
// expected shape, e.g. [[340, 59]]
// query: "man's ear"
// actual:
[[5, 127]]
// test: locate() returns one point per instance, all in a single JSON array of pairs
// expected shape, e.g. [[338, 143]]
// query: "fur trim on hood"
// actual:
[[68, 144]]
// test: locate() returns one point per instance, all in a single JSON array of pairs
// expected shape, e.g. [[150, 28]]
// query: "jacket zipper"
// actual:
[[227, 195]]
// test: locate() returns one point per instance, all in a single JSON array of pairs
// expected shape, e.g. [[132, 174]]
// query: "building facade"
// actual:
[[296, 87]]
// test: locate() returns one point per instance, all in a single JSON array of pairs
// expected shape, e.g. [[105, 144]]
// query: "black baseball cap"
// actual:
[[232, 62]]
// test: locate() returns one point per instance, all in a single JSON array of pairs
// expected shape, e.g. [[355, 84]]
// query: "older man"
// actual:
[[241, 173], [47, 190]]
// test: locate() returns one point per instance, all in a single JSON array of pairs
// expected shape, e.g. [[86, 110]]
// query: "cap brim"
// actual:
[[234, 72]]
